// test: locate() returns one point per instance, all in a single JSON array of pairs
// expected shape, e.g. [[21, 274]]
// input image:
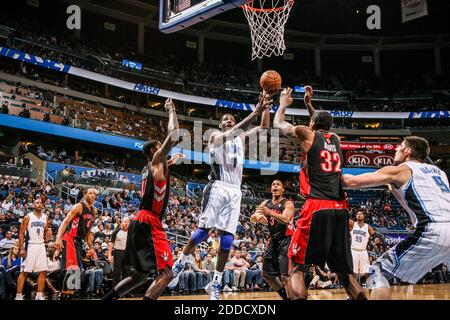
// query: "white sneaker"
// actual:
[[213, 289], [40, 298], [234, 289], [177, 269], [227, 288], [19, 297]]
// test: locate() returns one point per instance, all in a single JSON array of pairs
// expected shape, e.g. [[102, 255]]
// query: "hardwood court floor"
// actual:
[[411, 292]]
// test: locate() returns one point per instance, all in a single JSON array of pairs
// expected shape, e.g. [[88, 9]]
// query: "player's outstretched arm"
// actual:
[[76, 211], [396, 175], [303, 133], [265, 118], [279, 121], [23, 228], [218, 138], [173, 134], [307, 100], [351, 223]]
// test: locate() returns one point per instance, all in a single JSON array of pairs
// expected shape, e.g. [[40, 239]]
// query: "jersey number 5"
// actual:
[[328, 159]]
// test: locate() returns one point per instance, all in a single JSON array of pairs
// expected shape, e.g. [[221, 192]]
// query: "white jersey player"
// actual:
[[222, 196], [361, 233], [423, 190], [36, 226]]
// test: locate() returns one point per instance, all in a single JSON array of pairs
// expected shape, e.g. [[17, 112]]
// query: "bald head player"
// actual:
[[277, 213], [79, 220], [147, 247], [322, 234]]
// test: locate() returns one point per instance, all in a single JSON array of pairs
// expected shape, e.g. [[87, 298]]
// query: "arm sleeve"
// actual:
[[114, 234]]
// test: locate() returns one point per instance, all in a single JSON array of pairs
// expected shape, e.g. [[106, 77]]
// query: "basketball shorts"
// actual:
[[221, 206], [361, 261], [72, 253], [147, 247], [275, 260], [36, 259], [411, 259], [322, 236]]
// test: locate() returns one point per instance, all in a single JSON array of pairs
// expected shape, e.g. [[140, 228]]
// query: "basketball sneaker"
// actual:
[[177, 269], [213, 290], [227, 288]]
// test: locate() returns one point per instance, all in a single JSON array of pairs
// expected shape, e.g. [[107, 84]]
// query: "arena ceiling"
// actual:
[[309, 21]]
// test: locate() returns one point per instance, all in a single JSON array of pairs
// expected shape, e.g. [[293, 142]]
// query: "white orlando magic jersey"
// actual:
[[227, 161], [426, 196], [360, 236], [36, 227]]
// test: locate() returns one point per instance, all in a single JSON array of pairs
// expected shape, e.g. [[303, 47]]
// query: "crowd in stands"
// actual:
[[221, 80], [242, 271]]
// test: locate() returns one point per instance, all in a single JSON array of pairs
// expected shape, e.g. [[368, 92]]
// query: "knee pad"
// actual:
[[226, 241], [200, 235], [376, 278]]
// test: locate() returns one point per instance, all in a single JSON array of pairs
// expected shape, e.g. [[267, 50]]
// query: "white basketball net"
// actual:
[[266, 19]]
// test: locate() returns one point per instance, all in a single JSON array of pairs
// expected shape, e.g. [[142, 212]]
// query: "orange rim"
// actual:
[[249, 8]]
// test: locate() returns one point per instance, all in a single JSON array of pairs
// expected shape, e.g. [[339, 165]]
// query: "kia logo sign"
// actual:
[[388, 146], [359, 160], [382, 161]]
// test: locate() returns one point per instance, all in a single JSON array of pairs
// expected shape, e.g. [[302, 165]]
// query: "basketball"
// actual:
[[270, 81]]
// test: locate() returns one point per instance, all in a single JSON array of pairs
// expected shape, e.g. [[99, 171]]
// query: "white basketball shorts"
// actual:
[[221, 206], [361, 261], [414, 257], [36, 259]]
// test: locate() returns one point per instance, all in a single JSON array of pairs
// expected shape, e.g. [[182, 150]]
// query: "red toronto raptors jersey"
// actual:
[[155, 194], [276, 228], [320, 176], [82, 224]]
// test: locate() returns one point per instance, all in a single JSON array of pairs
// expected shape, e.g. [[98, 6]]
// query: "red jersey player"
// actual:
[[322, 233]]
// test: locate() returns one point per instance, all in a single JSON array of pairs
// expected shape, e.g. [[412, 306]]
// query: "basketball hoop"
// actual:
[[267, 19]]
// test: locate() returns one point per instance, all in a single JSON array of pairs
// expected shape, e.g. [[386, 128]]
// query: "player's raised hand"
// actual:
[[286, 97], [308, 94], [265, 101], [169, 105]]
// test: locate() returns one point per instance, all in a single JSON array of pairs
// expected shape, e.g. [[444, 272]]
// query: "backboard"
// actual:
[[175, 15]]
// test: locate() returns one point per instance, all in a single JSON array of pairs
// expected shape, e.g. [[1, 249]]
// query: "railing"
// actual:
[[16, 171], [49, 179], [191, 194], [64, 191], [182, 240], [96, 181]]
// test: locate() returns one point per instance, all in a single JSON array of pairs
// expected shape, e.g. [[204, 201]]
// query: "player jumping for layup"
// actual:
[[221, 202], [423, 191], [278, 213], [322, 234], [147, 246]]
